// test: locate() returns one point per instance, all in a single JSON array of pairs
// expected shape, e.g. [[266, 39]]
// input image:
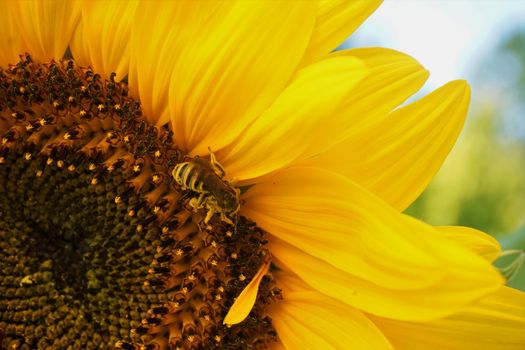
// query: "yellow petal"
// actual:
[[348, 244], [232, 66], [105, 31], [10, 40], [149, 67], [397, 157], [327, 102], [476, 241], [46, 26], [336, 20], [228, 59], [495, 323], [79, 46], [244, 303], [307, 319]]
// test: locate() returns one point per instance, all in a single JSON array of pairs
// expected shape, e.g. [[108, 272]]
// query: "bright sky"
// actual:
[[446, 36]]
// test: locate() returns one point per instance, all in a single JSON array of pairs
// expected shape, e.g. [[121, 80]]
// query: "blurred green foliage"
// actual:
[[482, 182], [510, 242], [515, 46]]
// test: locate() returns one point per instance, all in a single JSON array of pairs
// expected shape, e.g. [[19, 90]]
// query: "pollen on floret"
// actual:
[[115, 257]]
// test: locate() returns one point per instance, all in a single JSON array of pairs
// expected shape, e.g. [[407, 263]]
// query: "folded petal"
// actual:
[[336, 20], [495, 322], [245, 301], [476, 241], [397, 157], [10, 39], [105, 31], [348, 244], [323, 105], [306, 319], [46, 27]]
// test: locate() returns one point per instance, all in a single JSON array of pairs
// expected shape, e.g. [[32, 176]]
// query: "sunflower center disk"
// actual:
[[98, 246]]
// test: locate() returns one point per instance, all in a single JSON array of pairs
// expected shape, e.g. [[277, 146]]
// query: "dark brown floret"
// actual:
[[97, 248]]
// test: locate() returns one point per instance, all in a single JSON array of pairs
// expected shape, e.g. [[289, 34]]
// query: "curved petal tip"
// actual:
[[245, 301]]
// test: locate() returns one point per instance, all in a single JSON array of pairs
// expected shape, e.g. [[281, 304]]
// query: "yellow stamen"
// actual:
[[156, 179]]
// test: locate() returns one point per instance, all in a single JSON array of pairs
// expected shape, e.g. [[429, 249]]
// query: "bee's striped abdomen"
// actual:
[[195, 179], [178, 172], [191, 176]]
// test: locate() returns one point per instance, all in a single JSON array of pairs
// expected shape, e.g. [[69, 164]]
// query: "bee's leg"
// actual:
[[237, 192], [232, 181], [216, 166], [209, 214], [202, 200], [194, 204], [226, 219], [197, 203]]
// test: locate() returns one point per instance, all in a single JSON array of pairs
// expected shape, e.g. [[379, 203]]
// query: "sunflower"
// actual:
[[208, 174]]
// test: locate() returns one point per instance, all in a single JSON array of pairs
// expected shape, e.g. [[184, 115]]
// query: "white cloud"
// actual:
[[447, 36]]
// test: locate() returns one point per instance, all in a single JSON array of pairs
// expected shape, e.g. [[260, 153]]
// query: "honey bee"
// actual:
[[206, 177]]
